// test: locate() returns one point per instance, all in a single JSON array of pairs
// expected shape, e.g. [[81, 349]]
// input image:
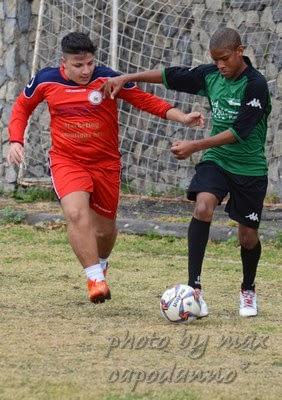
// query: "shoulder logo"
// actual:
[[254, 103], [95, 97], [253, 217], [30, 83]]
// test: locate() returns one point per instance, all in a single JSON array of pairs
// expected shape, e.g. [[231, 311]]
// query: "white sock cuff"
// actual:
[[95, 272]]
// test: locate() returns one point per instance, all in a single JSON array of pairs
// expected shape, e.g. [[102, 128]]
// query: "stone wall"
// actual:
[[141, 23], [18, 19]]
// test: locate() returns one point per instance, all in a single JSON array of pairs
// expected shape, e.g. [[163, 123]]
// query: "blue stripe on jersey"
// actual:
[[46, 75], [53, 75]]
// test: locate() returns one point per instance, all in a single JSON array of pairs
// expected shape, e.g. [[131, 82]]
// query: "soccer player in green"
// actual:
[[233, 162]]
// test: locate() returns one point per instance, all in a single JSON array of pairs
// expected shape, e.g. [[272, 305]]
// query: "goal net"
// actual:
[[135, 35]]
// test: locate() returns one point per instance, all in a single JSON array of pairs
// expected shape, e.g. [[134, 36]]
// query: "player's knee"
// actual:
[[248, 240], [203, 211], [75, 216], [247, 243]]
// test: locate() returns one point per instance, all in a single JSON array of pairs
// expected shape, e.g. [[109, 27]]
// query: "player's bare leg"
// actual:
[[82, 237], [106, 234], [205, 206], [80, 229]]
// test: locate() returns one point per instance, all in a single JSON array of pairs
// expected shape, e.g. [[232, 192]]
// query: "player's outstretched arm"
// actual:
[[155, 105], [194, 118], [113, 85], [15, 153]]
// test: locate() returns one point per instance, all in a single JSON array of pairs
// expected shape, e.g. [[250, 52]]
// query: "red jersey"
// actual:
[[83, 125]]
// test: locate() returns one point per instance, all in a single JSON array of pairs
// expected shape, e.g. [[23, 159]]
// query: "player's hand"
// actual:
[[182, 149], [112, 86], [194, 118], [15, 154]]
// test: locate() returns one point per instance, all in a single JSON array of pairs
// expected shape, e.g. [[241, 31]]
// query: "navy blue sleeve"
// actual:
[[254, 105]]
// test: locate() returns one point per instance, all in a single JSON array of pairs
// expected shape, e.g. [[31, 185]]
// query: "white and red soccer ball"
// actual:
[[180, 304]]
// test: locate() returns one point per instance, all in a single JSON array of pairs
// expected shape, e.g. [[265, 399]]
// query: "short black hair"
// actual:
[[76, 43], [226, 38]]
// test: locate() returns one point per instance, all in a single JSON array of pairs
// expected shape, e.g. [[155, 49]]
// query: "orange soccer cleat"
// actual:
[[98, 291]]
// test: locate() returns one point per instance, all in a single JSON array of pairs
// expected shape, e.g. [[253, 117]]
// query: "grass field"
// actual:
[[55, 345]]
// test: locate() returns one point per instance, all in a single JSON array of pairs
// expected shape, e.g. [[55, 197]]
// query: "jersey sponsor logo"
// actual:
[[222, 113], [95, 97], [253, 217], [75, 90], [234, 102], [254, 103]]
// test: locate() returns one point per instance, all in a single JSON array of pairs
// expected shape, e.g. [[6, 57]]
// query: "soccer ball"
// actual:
[[178, 304]]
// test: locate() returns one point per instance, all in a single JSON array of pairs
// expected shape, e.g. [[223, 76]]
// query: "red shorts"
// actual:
[[103, 184]]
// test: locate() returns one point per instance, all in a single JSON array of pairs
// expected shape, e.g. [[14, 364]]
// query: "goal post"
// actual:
[[136, 35], [114, 34]]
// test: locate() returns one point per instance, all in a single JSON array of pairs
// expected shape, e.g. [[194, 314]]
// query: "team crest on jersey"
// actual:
[[95, 97]]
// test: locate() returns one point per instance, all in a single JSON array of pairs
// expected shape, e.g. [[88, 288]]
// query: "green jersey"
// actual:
[[240, 105]]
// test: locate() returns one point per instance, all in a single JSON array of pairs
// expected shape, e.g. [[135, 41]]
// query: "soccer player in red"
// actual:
[[84, 156]]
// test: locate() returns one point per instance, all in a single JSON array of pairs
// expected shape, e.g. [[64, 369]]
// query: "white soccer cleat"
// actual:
[[248, 303], [204, 308]]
